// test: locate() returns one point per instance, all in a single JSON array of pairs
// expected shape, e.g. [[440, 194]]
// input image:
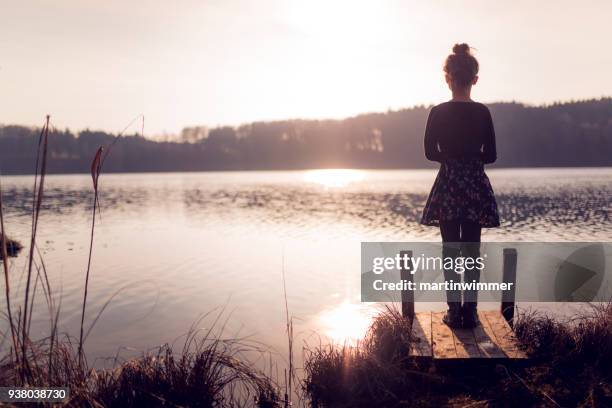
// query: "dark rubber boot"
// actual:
[[452, 318]]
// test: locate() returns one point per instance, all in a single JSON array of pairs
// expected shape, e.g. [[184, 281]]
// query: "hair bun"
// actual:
[[461, 49]]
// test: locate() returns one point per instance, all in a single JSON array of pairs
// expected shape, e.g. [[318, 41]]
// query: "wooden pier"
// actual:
[[492, 339]]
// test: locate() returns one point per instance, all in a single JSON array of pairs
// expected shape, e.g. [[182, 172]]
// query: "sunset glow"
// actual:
[[334, 178], [347, 322]]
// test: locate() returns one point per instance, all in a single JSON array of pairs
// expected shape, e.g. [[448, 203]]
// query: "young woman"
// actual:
[[459, 134]]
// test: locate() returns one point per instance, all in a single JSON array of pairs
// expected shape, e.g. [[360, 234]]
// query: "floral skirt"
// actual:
[[461, 192]]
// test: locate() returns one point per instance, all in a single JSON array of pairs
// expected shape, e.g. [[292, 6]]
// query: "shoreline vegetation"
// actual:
[[568, 365], [568, 134]]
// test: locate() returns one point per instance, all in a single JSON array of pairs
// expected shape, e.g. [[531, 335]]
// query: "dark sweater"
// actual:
[[460, 130]]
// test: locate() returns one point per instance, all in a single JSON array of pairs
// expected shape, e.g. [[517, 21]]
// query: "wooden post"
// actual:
[[509, 276], [407, 295]]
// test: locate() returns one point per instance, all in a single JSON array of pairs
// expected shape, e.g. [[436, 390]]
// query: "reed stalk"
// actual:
[[41, 158], [96, 170], [95, 174]]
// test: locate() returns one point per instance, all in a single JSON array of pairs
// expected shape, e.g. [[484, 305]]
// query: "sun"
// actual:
[[342, 22]]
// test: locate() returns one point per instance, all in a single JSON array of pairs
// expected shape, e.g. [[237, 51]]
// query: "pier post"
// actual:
[[509, 276], [407, 295]]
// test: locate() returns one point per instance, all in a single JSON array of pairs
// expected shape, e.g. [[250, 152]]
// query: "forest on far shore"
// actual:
[[558, 135]]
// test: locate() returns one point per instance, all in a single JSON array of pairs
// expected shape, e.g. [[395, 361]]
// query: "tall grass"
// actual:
[[37, 196], [370, 372], [96, 168], [289, 377], [210, 372], [584, 340]]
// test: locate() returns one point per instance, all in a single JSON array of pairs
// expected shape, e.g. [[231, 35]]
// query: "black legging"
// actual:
[[460, 231], [468, 234]]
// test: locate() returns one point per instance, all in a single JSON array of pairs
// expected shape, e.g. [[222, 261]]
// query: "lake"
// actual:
[[170, 247]]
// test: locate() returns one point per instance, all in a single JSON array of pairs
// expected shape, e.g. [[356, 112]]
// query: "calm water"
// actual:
[[170, 247]]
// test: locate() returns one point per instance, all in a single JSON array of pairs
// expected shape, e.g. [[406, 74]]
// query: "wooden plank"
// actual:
[[486, 340], [465, 344], [442, 338], [490, 332], [421, 332], [503, 334], [498, 333]]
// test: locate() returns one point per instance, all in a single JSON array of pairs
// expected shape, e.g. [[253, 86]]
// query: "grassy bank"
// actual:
[[208, 372], [569, 367]]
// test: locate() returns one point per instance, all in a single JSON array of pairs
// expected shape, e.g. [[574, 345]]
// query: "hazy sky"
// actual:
[[98, 64]]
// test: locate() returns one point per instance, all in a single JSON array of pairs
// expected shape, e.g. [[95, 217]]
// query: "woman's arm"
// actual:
[[489, 151], [432, 152]]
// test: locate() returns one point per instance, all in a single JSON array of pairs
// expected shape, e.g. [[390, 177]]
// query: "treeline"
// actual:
[[564, 134]]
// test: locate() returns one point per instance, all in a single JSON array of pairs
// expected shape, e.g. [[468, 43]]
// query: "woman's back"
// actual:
[[460, 130]]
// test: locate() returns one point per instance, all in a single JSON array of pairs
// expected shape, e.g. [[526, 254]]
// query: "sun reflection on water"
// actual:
[[346, 323], [334, 178]]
